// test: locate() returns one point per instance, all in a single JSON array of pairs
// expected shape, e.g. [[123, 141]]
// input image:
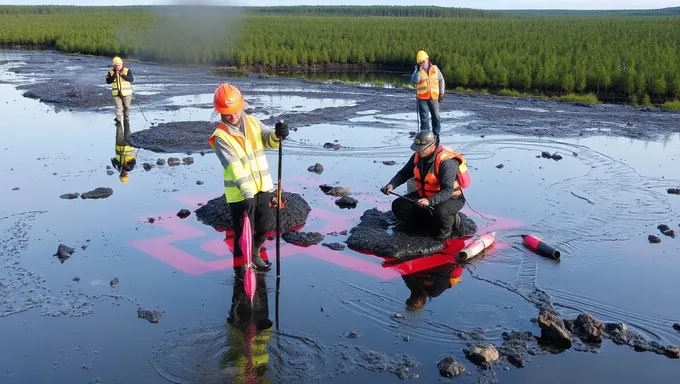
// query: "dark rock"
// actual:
[[173, 161], [302, 238], [389, 162], [352, 334], [673, 191], [97, 193], [334, 246], [412, 134], [76, 279], [15, 188], [202, 153], [556, 156], [160, 162], [316, 168], [63, 252], [654, 239], [199, 182], [334, 191], [147, 167], [83, 247], [449, 367], [151, 220], [588, 329], [151, 316], [183, 213], [216, 213], [69, 196], [553, 330], [334, 146], [114, 281], [483, 355], [515, 346], [346, 202], [371, 235], [108, 167], [188, 160], [666, 230], [676, 326], [546, 155], [499, 166], [110, 172], [343, 233]]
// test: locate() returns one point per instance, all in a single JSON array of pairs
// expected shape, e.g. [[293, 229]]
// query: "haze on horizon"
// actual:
[[477, 4]]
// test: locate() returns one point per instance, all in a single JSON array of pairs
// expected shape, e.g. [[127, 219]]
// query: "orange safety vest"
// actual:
[[429, 185], [428, 86]]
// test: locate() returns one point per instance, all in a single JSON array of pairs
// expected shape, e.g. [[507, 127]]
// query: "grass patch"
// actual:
[[671, 105], [574, 98]]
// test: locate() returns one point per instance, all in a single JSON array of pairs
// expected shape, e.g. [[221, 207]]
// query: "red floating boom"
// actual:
[[539, 246]]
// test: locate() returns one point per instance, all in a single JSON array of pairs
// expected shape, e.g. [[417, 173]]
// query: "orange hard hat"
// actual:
[[227, 99]]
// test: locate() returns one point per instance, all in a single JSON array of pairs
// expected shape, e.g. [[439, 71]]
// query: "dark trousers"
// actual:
[[440, 222], [259, 220]]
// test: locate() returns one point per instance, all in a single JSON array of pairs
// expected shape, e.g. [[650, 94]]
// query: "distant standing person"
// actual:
[[121, 79], [429, 83]]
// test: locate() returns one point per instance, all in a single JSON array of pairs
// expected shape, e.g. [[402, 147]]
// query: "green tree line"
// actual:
[[630, 57], [302, 10]]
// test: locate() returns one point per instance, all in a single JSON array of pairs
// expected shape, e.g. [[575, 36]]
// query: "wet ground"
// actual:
[[342, 314]]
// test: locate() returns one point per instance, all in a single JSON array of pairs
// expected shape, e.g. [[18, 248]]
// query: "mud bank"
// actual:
[[186, 354], [380, 233], [176, 136], [216, 213], [487, 115]]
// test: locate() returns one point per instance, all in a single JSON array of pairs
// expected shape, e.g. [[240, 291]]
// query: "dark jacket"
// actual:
[[448, 171]]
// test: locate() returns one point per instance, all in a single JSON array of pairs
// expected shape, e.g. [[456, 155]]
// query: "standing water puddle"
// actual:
[[339, 316]]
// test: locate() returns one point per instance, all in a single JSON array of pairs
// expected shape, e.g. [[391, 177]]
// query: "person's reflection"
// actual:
[[248, 332], [124, 161], [431, 283]]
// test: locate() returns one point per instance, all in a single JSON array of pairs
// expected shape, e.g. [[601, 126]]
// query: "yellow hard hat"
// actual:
[[124, 179], [421, 56], [117, 60]]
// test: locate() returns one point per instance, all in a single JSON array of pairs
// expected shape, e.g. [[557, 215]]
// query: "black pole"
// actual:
[[278, 217], [276, 309]]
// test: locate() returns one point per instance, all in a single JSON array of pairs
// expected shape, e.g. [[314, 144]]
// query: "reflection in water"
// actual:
[[248, 333], [431, 283], [124, 160]]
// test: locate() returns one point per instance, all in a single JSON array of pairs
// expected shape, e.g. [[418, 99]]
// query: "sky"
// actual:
[[478, 4]]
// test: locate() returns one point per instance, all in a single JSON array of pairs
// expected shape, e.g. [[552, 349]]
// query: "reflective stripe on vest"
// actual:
[[431, 186], [124, 153], [252, 171], [246, 354], [125, 87], [428, 86]]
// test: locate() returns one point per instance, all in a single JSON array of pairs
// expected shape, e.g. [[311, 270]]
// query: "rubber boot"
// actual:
[[260, 264]]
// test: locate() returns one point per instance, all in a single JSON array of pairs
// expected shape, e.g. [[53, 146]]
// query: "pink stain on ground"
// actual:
[[216, 253]]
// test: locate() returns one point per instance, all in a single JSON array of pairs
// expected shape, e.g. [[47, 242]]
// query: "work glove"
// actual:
[[387, 189], [281, 130], [249, 205]]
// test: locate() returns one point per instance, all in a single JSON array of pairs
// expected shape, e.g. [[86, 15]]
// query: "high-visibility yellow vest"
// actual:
[[428, 86], [124, 154], [120, 85], [246, 356], [253, 169]]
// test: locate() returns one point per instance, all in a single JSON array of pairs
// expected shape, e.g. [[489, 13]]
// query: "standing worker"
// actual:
[[430, 86], [441, 175], [121, 80], [239, 142]]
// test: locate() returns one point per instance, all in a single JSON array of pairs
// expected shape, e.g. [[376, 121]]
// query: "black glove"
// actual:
[[387, 189], [249, 205], [281, 130]]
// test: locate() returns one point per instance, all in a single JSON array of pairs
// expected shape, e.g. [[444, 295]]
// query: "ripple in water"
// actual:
[[205, 355]]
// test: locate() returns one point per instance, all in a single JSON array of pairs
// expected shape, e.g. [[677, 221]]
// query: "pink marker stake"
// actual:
[[246, 243]]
